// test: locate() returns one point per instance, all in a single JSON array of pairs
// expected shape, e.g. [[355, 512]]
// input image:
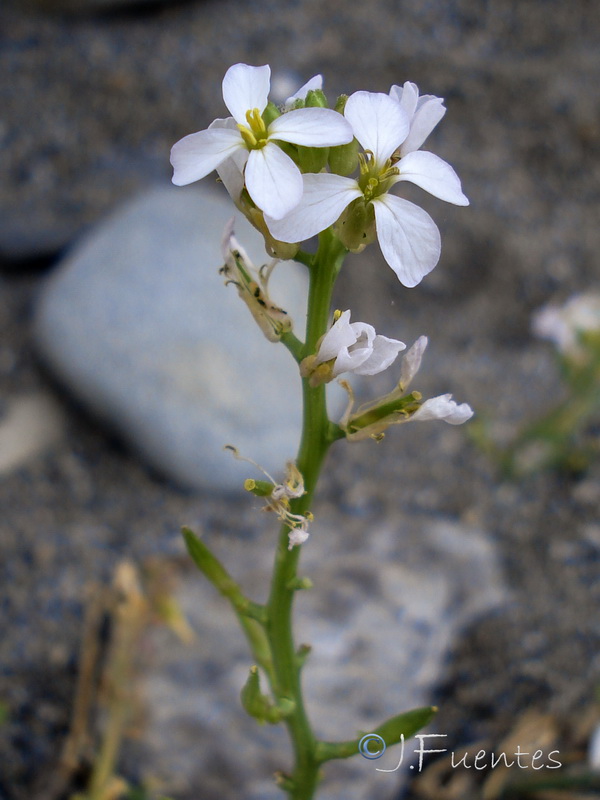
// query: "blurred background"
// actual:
[[436, 581]]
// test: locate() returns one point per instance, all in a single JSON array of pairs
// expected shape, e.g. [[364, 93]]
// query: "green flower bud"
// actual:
[[356, 227], [316, 99], [312, 159], [270, 113], [343, 159], [340, 103], [259, 705]]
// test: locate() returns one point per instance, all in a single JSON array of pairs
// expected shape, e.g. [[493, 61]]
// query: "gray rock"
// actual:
[[138, 324]]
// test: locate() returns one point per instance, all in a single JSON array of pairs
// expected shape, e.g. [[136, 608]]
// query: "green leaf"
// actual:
[[391, 731]]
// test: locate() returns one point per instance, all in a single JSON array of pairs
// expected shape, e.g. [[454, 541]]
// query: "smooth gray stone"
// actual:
[[138, 324]]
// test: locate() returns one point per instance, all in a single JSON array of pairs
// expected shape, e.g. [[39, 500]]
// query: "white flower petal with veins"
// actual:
[[311, 127], [432, 174], [246, 88], [424, 113], [324, 198], [273, 180], [378, 122], [197, 154], [408, 237]]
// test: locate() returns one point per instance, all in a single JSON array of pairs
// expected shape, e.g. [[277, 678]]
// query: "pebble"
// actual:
[[137, 323], [30, 426]]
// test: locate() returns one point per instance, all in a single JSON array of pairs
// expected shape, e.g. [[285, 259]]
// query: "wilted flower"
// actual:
[[350, 347], [408, 237], [252, 286], [373, 418], [272, 179], [278, 495], [566, 325]]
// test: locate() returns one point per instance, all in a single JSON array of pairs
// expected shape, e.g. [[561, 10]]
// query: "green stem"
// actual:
[[313, 447]]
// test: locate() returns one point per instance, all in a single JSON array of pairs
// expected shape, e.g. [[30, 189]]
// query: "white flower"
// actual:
[[445, 408], [372, 419], [408, 237], [424, 113], [272, 179], [564, 325], [355, 347], [350, 347]]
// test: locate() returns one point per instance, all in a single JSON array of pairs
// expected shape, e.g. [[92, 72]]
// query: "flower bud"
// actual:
[[343, 159], [356, 226], [270, 113], [312, 159], [315, 98], [277, 249]]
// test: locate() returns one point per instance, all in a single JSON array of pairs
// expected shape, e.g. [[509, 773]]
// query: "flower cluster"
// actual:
[[302, 169], [265, 158]]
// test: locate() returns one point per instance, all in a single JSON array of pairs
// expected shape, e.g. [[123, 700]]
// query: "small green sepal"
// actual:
[[285, 782], [302, 653], [298, 584]]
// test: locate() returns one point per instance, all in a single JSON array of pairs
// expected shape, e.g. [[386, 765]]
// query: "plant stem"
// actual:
[[313, 448]]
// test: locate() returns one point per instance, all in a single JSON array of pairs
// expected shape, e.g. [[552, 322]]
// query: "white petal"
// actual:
[[311, 127], [384, 353], [316, 82], [408, 237], [350, 361], [378, 122], [246, 88], [341, 334], [324, 198], [445, 408], [231, 171], [434, 175], [429, 112], [411, 362], [194, 156], [273, 181], [407, 96]]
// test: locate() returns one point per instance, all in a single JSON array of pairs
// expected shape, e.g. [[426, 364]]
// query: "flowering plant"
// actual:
[[556, 439], [296, 171]]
